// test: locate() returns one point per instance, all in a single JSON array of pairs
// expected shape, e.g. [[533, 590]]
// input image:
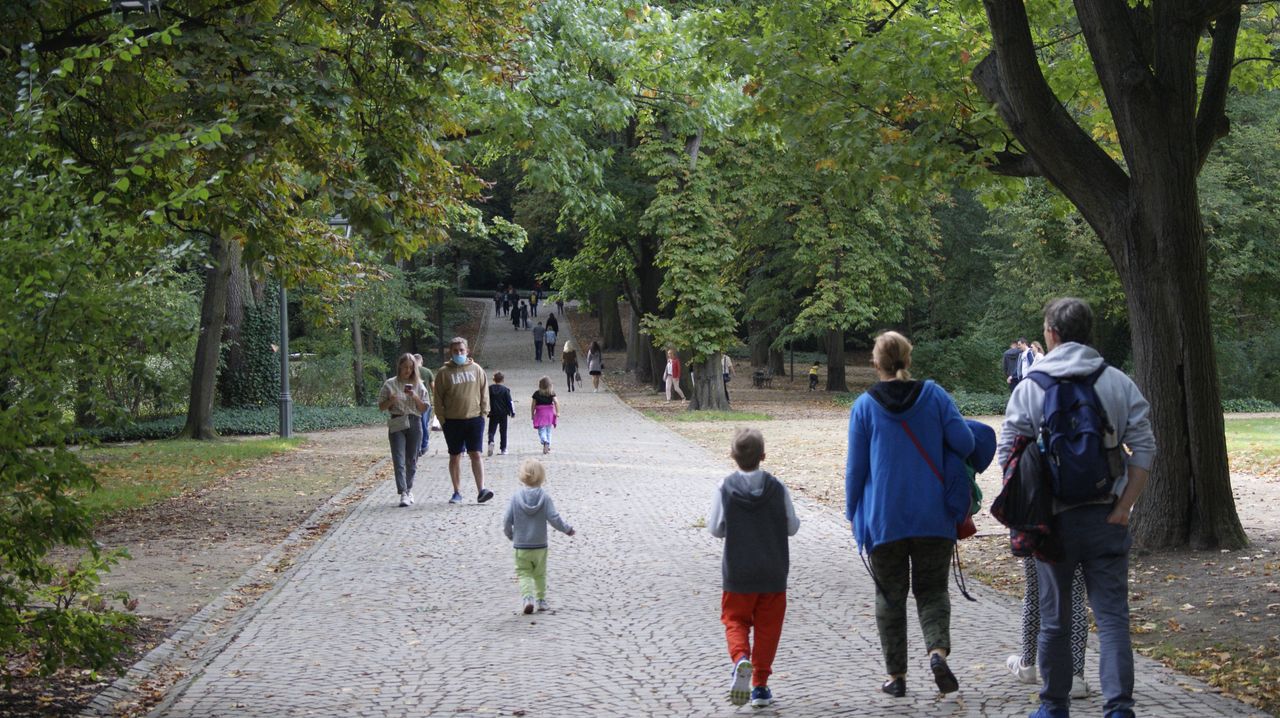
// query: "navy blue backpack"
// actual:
[[1078, 440]]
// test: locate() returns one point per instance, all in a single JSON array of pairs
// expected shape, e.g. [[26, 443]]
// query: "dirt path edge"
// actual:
[[169, 668]]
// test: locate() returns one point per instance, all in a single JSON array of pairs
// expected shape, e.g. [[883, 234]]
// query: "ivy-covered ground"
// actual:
[[1215, 615]]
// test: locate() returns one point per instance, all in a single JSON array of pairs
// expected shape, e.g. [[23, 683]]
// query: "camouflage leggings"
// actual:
[[920, 565]]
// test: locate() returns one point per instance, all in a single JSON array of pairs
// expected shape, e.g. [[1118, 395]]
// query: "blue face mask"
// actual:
[[459, 359]]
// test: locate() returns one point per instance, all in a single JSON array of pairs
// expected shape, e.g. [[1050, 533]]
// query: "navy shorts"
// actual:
[[464, 435]]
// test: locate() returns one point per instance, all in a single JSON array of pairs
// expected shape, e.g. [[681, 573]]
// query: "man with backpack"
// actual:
[[1079, 412]]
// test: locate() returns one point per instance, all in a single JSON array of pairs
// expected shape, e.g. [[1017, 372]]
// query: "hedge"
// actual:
[[231, 422]]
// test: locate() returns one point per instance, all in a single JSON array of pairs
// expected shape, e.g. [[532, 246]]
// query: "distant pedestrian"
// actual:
[[1012, 372], [550, 338], [515, 318], [569, 363], [506, 303], [595, 365], [524, 315], [539, 338], [671, 374], [813, 376], [404, 397], [501, 408], [428, 381], [752, 512], [533, 303], [726, 371], [552, 323], [497, 303], [462, 400], [525, 523], [560, 306], [545, 412]]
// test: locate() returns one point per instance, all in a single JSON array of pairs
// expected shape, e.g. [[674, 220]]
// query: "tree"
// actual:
[[1147, 213]]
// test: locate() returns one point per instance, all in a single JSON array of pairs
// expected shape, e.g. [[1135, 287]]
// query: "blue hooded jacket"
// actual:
[[893, 489]]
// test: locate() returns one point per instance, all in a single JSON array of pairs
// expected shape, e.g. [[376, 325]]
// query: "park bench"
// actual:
[[761, 378]]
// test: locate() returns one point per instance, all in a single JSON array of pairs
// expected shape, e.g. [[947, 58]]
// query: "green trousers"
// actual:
[[921, 565], [531, 569]]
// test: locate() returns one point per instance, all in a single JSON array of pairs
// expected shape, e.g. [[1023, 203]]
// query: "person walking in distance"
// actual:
[[501, 408], [904, 518], [515, 317], [752, 512], [569, 363], [404, 397], [671, 375], [524, 315], [595, 365], [533, 303], [726, 372], [462, 400], [428, 381], [1097, 411], [545, 412], [539, 338], [549, 336]]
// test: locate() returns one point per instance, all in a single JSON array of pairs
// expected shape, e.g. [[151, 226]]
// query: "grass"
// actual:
[[687, 416], [1254, 445], [142, 474]]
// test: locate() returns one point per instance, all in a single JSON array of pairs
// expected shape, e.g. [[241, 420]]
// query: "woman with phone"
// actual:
[[405, 397]]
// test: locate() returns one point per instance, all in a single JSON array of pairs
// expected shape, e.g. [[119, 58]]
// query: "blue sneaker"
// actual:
[[1045, 711], [740, 686], [457, 498], [761, 696]]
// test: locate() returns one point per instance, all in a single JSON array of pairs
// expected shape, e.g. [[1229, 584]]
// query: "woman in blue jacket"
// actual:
[[904, 512]]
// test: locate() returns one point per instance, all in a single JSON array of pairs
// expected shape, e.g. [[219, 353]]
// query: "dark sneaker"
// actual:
[[484, 496], [740, 685], [761, 696], [528, 604], [896, 687], [457, 498], [942, 674]]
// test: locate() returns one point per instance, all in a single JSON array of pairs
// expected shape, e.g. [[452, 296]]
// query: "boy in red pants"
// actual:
[[752, 512]]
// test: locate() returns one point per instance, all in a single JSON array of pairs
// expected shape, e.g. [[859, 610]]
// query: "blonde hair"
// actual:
[[569, 346], [417, 378], [892, 355], [532, 473], [748, 449]]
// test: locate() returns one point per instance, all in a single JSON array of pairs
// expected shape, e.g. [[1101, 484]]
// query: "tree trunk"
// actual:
[[835, 361], [637, 355], [224, 257], [357, 359], [612, 337], [758, 341], [650, 276], [1189, 499], [237, 296], [778, 362], [708, 391]]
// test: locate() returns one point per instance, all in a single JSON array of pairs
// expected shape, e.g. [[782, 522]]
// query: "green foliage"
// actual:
[[1250, 406], [964, 363], [233, 422], [980, 403], [257, 383]]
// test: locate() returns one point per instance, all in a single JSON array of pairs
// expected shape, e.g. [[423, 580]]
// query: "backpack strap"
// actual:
[[1044, 381]]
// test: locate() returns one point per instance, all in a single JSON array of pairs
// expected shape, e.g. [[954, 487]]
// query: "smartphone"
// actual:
[[408, 388]]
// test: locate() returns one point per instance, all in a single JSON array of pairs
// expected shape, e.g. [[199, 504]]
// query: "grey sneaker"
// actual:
[[542, 605], [490, 449], [404, 499], [484, 496], [740, 685]]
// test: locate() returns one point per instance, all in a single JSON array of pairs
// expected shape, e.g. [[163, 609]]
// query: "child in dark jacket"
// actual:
[[501, 408], [752, 512], [525, 523]]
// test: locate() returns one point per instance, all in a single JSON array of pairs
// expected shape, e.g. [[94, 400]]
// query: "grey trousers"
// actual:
[[404, 455], [920, 565]]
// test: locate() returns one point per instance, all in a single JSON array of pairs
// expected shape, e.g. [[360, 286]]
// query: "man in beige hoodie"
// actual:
[[461, 392]]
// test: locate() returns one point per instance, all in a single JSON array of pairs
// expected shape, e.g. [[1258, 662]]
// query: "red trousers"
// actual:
[[740, 612]]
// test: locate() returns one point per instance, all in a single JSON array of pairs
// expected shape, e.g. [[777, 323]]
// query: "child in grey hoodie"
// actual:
[[525, 523]]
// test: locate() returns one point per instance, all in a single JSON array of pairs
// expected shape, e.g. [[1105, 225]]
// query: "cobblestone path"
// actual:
[[415, 611]]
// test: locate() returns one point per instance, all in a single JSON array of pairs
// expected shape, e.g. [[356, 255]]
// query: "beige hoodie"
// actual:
[[461, 392]]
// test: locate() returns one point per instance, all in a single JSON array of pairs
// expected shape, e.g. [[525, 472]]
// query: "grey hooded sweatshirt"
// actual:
[[528, 514], [1126, 408]]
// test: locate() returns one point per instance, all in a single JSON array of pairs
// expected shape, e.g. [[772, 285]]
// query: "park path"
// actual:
[[415, 611]]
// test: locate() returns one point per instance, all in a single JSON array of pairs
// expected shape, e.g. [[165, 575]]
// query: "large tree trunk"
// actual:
[[612, 337], [758, 341], [637, 355], [224, 257], [778, 362], [835, 361], [357, 360], [708, 391], [238, 295]]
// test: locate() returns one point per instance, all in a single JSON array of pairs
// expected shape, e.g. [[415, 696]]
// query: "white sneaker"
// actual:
[[1079, 687], [490, 449], [503, 452], [1024, 674], [528, 604], [740, 686], [542, 605], [409, 495], [404, 499]]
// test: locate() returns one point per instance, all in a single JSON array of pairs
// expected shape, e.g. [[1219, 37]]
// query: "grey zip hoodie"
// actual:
[[528, 513], [1126, 408]]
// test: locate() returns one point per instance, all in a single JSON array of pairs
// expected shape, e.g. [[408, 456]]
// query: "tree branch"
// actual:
[[1211, 117]]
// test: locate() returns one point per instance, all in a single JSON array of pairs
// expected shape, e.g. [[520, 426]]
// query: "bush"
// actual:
[[965, 363], [972, 403], [233, 422], [1249, 406]]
